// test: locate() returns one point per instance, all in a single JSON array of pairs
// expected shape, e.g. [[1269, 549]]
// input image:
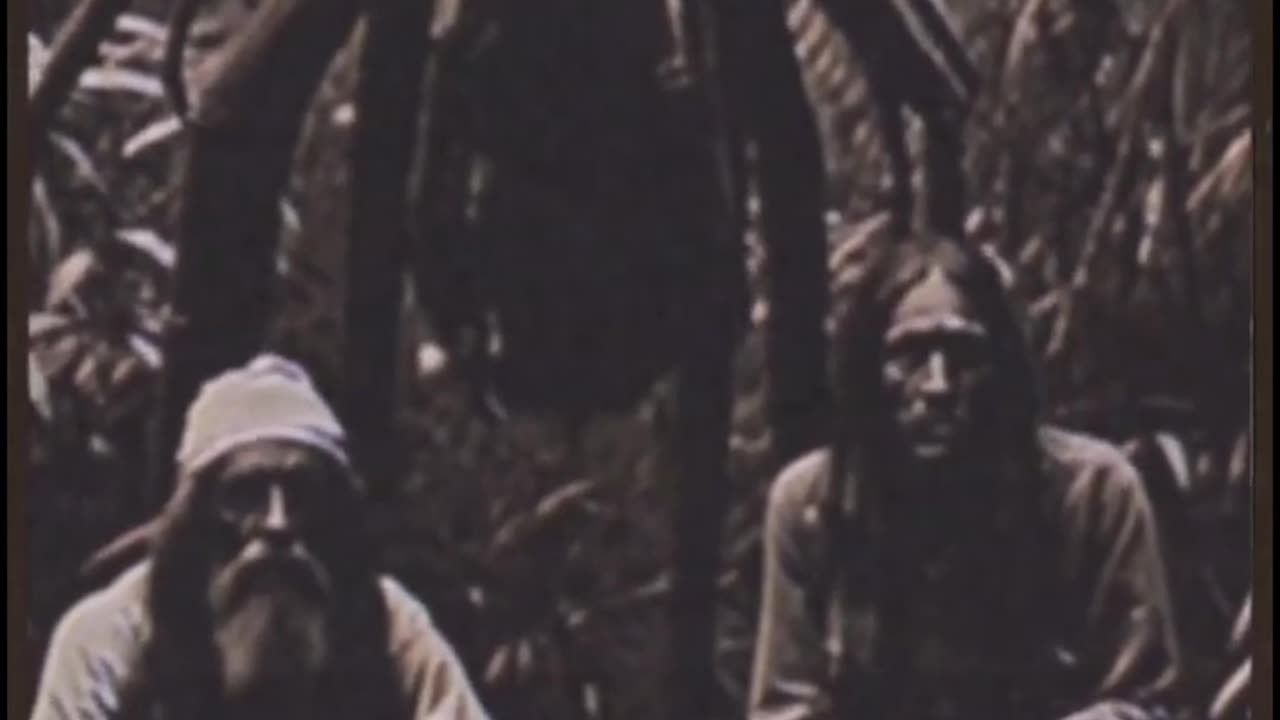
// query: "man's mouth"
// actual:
[[934, 429], [277, 575], [930, 449], [932, 438]]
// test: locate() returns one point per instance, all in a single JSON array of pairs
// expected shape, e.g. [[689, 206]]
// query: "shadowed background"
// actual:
[[1109, 167]]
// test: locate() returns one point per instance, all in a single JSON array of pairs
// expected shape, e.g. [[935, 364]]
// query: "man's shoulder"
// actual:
[[1085, 466], [94, 647], [803, 482], [402, 604], [398, 597], [427, 664], [409, 622], [123, 601], [1078, 448], [1080, 451]]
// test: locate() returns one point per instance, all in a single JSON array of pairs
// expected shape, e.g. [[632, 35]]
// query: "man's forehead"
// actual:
[[934, 305], [272, 456]]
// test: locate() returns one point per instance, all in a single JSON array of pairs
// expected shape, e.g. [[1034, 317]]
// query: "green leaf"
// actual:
[[151, 245], [153, 135], [38, 390], [37, 58], [141, 27], [122, 80], [84, 166], [70, 276]]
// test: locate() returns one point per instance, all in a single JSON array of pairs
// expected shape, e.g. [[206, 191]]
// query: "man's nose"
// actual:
[[277, 524], [937, 376]]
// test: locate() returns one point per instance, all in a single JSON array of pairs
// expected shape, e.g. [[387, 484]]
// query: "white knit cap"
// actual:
[[271, 398]]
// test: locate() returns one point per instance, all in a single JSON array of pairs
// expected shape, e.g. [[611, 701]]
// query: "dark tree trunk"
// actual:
[[894, 136], [710, 198], [445, 272], [768, 90], [391, 71], [744, 47], [945, 200], [701, 499], [914, 60], [246, 120], [700, 443]]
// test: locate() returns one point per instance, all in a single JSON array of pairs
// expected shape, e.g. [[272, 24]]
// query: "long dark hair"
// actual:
[[859, 518], [862, 313], [179, 677]]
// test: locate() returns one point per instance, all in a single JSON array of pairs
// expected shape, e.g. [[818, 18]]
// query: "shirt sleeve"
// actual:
[[787, 678], [1128, 649], [86, 664], [432, 674]]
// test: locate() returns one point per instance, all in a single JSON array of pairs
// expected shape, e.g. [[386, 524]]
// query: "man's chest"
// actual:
[[963, 636]]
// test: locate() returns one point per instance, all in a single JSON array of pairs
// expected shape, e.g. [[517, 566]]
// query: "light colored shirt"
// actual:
[[99, 642], [1109, 571]]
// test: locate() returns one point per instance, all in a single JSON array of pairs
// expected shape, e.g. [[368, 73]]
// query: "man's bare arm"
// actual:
[[787, 681]]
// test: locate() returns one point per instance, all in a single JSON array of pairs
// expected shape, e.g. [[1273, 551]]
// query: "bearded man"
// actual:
[[949, 555], [260, 599]]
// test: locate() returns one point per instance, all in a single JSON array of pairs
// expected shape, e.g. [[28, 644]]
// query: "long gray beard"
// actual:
[[273, 648]]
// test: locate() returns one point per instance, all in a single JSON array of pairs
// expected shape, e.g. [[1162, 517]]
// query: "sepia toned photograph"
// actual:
[[637, 359]]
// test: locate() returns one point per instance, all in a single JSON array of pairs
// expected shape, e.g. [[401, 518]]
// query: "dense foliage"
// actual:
[[1109, 161]]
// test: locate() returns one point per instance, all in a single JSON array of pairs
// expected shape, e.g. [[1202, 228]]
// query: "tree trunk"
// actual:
[[701, 498], [945, 201], [710, 196], [768, 90], [387, 104], [245, 122]]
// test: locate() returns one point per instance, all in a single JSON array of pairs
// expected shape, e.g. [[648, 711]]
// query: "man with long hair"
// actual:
[[950, 555], [260, 598]]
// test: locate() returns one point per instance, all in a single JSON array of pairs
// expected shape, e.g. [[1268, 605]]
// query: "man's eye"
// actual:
[[243, 497], [900, 366], [302, 497], [310, 497], [908, 352], [966, 352]]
